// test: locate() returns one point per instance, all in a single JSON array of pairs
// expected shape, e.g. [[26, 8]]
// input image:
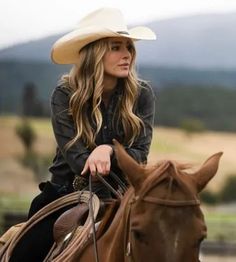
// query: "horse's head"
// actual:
[[165, 222]]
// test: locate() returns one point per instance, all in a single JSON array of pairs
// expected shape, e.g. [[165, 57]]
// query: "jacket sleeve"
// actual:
[[145, 110], [64, 131]]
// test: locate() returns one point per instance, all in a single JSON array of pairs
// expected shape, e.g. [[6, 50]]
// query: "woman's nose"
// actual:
[[126, 53]]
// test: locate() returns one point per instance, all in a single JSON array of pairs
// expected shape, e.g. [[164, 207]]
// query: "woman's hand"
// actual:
[[99, 161]]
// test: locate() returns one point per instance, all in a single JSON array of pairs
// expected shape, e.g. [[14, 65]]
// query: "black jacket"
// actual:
[[68, 163]]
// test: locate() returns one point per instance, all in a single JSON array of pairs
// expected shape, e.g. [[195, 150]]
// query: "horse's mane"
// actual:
[[172, 174]]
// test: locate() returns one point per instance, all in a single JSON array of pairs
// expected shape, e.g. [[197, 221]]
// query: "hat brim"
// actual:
[[66, 49]]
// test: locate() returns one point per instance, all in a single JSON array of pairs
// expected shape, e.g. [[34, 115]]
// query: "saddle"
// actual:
[[68, 200], [71, 231]]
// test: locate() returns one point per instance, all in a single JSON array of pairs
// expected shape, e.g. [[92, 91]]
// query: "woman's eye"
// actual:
[[115, 48], [129, 48]]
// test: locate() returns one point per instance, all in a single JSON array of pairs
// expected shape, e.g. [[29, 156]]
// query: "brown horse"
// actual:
[[159, 218]]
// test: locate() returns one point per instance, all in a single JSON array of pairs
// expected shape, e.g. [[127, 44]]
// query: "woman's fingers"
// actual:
[[85, 169], [99, 161], [92, 168], [100, 168], [107, 167]]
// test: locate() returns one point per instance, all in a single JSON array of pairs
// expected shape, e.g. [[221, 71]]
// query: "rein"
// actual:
[[119, 194]]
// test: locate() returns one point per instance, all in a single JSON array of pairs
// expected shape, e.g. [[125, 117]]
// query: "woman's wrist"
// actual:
[[111, 149]]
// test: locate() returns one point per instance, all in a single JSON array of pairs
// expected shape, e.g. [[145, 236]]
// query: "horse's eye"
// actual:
[[138, 235]]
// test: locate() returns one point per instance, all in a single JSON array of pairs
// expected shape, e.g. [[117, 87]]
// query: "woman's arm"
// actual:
[[64, 130], [78, 157], [145, 110]]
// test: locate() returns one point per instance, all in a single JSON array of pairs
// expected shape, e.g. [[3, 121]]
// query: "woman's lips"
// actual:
[[125, 64]]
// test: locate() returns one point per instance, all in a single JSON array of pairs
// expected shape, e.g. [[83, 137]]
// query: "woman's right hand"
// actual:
[[99, 161]]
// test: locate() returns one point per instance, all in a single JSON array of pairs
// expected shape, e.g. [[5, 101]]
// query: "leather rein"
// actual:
[[119, 194]]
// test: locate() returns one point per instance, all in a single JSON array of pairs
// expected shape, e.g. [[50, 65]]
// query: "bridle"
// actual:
[[143, 196]]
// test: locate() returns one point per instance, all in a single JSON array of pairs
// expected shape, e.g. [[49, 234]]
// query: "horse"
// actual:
[[158, 219]]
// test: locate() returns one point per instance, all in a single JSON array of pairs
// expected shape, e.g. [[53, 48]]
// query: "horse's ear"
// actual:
[[207, 171], [134, 171]]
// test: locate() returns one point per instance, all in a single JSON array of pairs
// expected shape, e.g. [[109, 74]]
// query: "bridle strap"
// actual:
[[127, 239], [156, 201], [173, 203]]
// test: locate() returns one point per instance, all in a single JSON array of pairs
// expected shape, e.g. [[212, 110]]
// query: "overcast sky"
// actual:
[[23, 20]]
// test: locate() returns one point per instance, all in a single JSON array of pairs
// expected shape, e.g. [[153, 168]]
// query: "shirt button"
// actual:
[[105, 127]]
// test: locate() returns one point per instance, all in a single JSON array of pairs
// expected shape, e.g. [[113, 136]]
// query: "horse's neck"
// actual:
[[115, 236]]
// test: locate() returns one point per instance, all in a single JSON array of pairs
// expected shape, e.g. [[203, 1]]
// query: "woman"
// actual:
[[100, 99]]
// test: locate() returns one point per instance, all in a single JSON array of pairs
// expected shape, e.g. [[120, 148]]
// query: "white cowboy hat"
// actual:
[[104, 22]]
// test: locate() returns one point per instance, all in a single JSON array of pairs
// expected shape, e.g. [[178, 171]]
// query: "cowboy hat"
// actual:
[[104, 22]]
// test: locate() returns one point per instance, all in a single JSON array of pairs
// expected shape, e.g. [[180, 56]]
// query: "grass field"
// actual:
[[18, 185]]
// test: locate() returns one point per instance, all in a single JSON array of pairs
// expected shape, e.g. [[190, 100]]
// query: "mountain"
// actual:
[[201, 41], [33, 51]]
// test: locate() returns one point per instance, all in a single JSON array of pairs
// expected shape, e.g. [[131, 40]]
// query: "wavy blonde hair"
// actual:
[[85, 80]]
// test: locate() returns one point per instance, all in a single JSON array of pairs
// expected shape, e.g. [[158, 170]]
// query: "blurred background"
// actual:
[[191, 67]]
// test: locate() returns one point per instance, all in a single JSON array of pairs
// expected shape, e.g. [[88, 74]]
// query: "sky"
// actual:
[[25, 20]]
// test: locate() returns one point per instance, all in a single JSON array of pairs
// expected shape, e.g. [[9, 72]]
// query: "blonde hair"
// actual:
[[86, 82]]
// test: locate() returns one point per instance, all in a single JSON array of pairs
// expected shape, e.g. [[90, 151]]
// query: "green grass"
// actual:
[[164, 146], [43, 125], [221, 226], [13, 204], [40, 125]]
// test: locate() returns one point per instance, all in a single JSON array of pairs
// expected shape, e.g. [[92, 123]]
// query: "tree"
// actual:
[[26, 134], [228, 191], [192, 125], [31, 159], [32, 106]]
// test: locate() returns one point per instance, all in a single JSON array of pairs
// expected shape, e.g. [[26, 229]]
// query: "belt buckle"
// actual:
[[79, 183]]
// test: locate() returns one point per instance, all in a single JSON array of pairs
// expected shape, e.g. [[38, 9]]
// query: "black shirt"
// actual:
[[68, 163]]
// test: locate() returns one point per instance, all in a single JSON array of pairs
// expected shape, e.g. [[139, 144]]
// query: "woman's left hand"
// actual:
[[99, 161]]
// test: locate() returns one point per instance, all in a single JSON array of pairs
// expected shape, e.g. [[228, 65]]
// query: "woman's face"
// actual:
[[118, 58]]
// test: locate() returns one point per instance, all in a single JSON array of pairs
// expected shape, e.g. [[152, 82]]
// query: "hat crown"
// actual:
[[109, 18]]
